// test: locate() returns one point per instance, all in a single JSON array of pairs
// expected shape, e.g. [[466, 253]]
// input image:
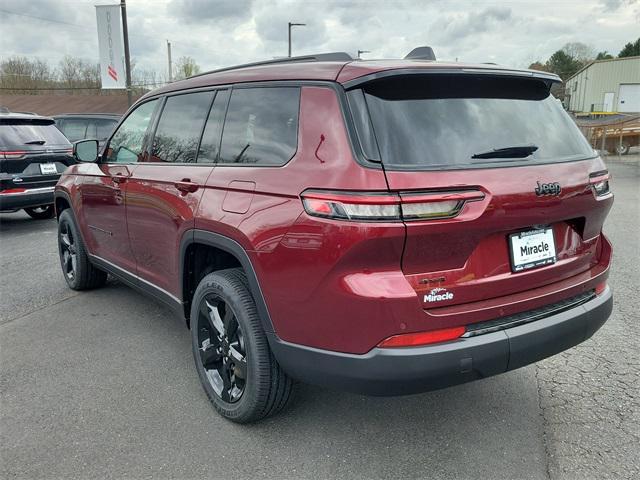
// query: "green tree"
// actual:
[[563, 64], [603, 55], [630, 49]]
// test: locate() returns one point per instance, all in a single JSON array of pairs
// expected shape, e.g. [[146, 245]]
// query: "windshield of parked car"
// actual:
[[458, 121], [101, 128], [74, 128]]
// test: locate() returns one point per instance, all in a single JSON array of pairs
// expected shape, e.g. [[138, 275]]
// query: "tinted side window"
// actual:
[[178, 133], [210, 143], [261, 126], [126, 144]]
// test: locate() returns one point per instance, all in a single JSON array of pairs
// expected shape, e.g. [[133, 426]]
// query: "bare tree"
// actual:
[[186, 67], [26, 75], [90, 74], [69, 70], [72, 74], [579, 51], [77, 73]]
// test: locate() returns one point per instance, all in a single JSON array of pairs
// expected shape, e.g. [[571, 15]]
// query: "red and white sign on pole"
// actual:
[[110, 45]]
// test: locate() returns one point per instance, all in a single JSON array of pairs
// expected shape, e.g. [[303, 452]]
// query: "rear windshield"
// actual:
[[443, 121], [30, 133]]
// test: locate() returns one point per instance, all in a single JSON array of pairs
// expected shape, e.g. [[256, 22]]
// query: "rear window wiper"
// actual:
[[35, 142], [520, 151]]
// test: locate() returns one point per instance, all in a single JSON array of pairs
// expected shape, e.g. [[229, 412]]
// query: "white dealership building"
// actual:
[[605, 86]]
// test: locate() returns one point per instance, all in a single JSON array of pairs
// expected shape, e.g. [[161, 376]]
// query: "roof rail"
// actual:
[[318, 57]]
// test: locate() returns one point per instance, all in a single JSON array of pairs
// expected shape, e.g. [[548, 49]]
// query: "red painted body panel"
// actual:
[[158, 214], [471, 250], [98, 193]]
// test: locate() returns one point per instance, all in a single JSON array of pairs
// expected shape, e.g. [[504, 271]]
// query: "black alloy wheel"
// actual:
[[222, 349], [78, 270], [68, 252], [236, 367]]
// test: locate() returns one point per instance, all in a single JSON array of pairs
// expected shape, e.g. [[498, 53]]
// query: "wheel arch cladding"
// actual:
[[218, 252], [61, 202]]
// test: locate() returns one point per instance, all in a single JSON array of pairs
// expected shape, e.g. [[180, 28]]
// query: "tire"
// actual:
[[78, 271], [622, 149], [228, 343], [41, 213]]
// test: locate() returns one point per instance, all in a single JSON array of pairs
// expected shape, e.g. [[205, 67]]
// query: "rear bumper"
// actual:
[[33, 197], [398, 371]]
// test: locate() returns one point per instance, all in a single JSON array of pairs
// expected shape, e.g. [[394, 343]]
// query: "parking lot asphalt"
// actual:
[[100, 384]]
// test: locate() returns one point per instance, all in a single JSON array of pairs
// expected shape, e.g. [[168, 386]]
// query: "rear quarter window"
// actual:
[[261, 126]]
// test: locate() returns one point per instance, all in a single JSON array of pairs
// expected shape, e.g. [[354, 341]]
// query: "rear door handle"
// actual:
[[186, 186]]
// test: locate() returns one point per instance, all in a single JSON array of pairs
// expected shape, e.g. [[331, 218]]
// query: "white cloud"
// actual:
[[220, 33]]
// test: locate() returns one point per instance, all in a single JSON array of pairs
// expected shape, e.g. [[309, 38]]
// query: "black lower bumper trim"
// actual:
[[26, 200], [398, 371]]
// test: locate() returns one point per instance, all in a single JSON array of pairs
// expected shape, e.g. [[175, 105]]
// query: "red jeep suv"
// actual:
[[383, 227]]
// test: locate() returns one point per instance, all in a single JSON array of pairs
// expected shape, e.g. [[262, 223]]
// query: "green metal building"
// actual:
[[605, 86]]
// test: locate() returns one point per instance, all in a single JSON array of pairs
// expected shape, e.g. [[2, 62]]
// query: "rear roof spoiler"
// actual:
[[548, 78]]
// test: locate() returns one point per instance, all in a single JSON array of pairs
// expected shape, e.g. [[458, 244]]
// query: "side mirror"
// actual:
[[86, 150]]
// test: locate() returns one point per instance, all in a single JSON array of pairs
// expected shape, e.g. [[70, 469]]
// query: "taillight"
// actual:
[[422, 338], [599, 182], [12, 190], [600, 288], [347, 206], [386, 207], [12, 154], [432, 205]]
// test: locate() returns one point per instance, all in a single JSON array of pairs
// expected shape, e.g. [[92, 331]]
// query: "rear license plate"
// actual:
[[531, 249], [48, 168]]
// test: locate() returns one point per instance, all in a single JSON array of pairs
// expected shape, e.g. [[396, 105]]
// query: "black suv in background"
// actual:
[[79, 126], [33, 154]]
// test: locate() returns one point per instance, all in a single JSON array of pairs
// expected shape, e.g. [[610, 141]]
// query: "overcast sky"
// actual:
[[219, 33]]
